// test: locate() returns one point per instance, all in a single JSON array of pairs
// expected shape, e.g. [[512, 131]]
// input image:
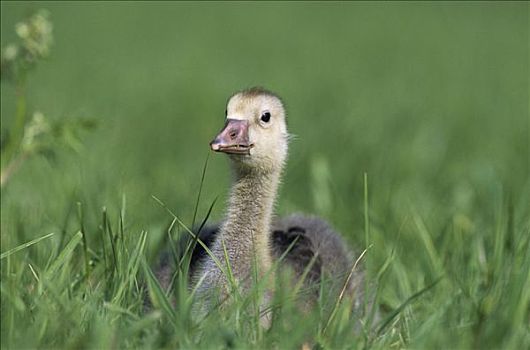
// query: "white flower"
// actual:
[[41, 24], [10, 52], [22, 30], [37, 126]]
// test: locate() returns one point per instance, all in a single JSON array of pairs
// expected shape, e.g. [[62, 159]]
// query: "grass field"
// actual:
[[412, 124]]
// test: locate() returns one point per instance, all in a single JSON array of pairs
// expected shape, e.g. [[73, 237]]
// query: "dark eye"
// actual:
[[226, 112], [265, 117]]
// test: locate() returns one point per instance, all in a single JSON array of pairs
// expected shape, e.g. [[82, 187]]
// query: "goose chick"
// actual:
[[256, 139]]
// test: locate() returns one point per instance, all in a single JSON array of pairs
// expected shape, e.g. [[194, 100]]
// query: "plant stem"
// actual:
[[12, 167], [18, 126], [367, 239]]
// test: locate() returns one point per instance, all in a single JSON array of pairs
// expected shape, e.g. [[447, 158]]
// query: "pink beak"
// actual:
[[233, 138]]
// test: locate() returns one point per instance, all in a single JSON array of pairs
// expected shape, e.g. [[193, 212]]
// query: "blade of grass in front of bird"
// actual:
[[306, 271], [200, 190], [234, 288], [275, 265], [174, 251], [186, 257], [343, 290], [205, 220], [208, 251]]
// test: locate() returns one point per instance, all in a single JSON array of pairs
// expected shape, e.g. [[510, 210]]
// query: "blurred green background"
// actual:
[[430, 100]]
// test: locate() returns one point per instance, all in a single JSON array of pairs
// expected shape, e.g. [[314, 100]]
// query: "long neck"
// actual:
[[246, 231]]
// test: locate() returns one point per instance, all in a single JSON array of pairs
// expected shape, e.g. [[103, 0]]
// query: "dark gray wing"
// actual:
[[315, 237], [310, 239]]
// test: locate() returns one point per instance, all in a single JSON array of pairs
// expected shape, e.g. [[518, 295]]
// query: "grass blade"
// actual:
[[208, 251], [65, 254], [157, 294], [400, 308], [343, 290], [24, 246], [200, 190], [191, 246], [85, 243]]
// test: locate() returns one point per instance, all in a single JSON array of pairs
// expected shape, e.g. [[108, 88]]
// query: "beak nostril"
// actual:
[[233, 138]]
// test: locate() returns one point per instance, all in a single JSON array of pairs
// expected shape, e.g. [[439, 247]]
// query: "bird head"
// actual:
[[255, 131]]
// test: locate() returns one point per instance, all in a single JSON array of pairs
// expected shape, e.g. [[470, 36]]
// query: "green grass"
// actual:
[[429, 100]]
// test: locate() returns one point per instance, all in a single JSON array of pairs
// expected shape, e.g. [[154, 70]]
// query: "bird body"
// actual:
[[250, 240], [244, 234]]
